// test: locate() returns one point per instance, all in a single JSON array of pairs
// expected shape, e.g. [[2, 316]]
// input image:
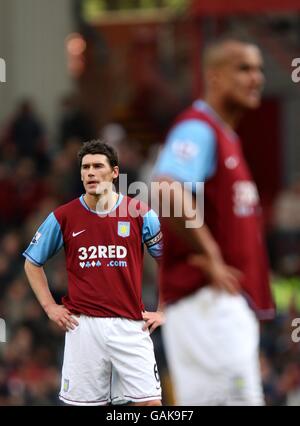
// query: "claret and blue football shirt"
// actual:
[[104, 254]]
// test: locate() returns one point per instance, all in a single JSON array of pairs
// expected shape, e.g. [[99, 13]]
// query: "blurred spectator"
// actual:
[[269, 380], [74, 122], [46, 206], [114, 134], [63, 180], [8, 209], [129, 152], [4, 391], [285, 238], [14, 302], [289, 383], [154, 97], [29, 188], [27, 136], [286, 215], [6, 273]]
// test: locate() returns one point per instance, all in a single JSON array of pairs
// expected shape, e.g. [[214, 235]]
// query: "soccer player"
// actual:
[[214, 278], [109, 356]]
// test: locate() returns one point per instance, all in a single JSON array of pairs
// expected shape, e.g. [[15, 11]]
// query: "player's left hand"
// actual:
[[153, 320]]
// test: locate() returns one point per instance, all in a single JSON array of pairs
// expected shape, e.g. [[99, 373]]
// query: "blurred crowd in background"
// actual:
[[34, 179]]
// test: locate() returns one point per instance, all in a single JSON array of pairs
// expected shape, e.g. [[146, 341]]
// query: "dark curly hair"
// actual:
[[98, 146]]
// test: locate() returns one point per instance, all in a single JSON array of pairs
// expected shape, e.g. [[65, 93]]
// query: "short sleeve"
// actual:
[[47, 241], [189, 154]]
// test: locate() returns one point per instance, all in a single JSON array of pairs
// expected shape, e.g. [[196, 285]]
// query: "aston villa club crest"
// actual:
[[124, 229]]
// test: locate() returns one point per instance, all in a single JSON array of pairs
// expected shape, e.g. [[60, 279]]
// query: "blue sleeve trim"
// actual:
[[31, 259]]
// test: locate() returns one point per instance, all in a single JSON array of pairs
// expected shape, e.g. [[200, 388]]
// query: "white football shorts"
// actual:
[[211, 340], [109, 361]]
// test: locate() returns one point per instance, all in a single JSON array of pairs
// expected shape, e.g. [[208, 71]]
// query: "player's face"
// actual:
[[96, 172], [241, 80]]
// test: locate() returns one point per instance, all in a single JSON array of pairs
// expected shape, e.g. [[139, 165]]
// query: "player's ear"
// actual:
[[116, 172]]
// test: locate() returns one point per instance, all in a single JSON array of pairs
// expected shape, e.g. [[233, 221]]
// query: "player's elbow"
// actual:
[[29, 267]]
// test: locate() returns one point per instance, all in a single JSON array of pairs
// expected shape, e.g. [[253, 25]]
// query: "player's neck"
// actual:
[[101, 202], [229, 114]]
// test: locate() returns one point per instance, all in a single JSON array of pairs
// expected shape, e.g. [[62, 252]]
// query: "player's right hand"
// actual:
[[221, 275], [61, 316]]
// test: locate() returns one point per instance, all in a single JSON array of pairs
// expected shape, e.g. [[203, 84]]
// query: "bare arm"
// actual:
[[39, 284], [154, 319], [209, 257]]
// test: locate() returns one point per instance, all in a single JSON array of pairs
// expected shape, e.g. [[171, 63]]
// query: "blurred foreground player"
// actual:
[[214, 278], [109, 355]]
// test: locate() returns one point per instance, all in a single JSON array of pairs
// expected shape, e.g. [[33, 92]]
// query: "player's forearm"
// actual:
[[160, 305], [39, 284], [200, 238]]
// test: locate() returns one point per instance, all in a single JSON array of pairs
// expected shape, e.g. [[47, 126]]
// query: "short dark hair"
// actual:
[[215, 46], [98, 146]]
